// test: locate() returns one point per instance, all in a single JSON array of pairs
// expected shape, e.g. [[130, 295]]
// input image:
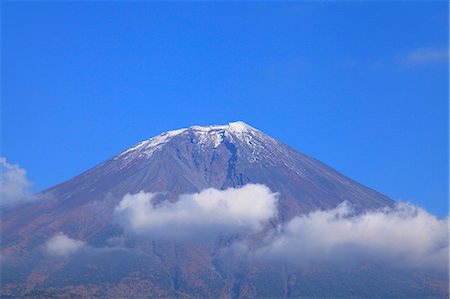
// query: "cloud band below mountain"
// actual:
[[401, 236], [209, 212]]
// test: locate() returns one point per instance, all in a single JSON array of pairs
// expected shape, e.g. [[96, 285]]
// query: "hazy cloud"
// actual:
[[14, 185], [421, 56], [404, 235], [61, 245], [202, 214]]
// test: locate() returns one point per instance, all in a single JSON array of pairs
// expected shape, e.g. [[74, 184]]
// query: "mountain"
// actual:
[[185, 161]]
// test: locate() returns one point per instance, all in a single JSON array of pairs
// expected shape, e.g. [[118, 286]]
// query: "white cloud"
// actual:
[[202, 214], [14, 185], [421, 56], [404, 235], [61, 245]]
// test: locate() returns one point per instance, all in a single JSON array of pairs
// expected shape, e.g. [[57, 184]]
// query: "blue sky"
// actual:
[[362, 87]]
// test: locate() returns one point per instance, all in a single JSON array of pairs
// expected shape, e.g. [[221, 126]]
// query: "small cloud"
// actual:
[[425, 56], [200, 215], [61, 245], [404, 236], [14, 185]]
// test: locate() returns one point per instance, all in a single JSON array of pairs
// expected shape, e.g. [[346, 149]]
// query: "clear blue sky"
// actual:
[[362, 87]]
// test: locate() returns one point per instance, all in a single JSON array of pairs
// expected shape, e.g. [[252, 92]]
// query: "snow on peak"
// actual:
[[233, 127], [213, 134], [240, 127], [216, 133]]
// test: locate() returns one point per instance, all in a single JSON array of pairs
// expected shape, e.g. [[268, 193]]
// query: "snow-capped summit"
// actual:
[[237, 127], [204, 135]]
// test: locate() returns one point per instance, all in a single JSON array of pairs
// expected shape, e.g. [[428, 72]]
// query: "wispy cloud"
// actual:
[[62, 245], [204, 214], [14, 185], [425, 56]]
